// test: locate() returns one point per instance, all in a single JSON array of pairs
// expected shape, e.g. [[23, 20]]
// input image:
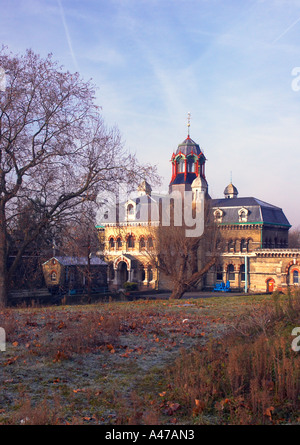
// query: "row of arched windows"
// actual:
[[130, 243], [243, 245], [143, 273], [276, 242], [230, 273]]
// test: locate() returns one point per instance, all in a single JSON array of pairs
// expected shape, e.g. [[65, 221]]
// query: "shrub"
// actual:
[[130, 286]]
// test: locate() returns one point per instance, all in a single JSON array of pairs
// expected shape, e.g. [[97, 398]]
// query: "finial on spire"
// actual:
[[231, 177], [189, 123]]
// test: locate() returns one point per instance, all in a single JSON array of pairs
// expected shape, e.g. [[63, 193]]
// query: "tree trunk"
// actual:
[[180, 288], [178, 291], [3, 265], [89, 269]]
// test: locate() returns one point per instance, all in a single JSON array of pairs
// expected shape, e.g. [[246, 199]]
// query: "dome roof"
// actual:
[[199, 182], [230, 191], [188, 146]]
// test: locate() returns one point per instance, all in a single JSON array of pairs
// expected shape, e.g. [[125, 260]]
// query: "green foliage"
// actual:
[[129, 286]]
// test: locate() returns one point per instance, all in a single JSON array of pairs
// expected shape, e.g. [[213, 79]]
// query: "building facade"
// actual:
[[255, 256]]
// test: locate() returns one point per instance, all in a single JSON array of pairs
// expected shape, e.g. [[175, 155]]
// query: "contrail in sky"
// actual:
[[67, 34], [287, 30]]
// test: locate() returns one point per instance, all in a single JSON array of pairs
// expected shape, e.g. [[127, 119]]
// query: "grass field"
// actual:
[[219, 360]]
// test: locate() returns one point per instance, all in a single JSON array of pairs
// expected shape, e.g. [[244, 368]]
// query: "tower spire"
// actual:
[[189, 123]]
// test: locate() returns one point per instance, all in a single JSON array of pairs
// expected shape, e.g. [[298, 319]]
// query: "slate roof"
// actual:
[[143, 204], [259, 211], [78, 261], [188, 146], [179, 179]]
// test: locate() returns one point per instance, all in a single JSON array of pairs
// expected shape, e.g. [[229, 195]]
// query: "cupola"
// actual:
[[188, 162], [231, 191]]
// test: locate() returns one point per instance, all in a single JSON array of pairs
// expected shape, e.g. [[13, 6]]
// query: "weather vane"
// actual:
[[189, 123]]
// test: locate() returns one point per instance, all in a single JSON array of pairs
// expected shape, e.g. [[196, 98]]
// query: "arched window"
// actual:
[[111, 243], [53, 276], [295, 277], [243, 215], [218, 216], [191, 166], [130, 242], [142, 243], [150, 243], [181, 164], [230, 272], [130, 210], [119, 243], [243, 245], [231, 245]]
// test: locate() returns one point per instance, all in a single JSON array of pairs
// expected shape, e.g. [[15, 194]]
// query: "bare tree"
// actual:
[[294, 238], [185, 260], [79, 238], [55, 150]]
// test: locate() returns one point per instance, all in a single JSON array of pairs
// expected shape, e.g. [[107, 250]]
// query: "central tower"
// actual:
[[188, 163]]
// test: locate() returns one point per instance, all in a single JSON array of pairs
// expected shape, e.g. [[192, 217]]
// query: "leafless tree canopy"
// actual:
[[55, 150], [185, 260], [294, 238]]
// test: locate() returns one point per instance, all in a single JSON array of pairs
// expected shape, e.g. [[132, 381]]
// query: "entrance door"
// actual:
[[122, 273], [270, 285]]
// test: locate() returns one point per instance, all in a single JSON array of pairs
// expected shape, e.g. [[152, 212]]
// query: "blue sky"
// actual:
[[227, 62]]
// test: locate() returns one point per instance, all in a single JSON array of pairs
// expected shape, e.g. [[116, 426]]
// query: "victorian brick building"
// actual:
[[256, 256]]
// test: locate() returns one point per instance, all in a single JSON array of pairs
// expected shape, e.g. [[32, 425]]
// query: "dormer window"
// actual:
[[243, 215], [218, 215], [131, 210]]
